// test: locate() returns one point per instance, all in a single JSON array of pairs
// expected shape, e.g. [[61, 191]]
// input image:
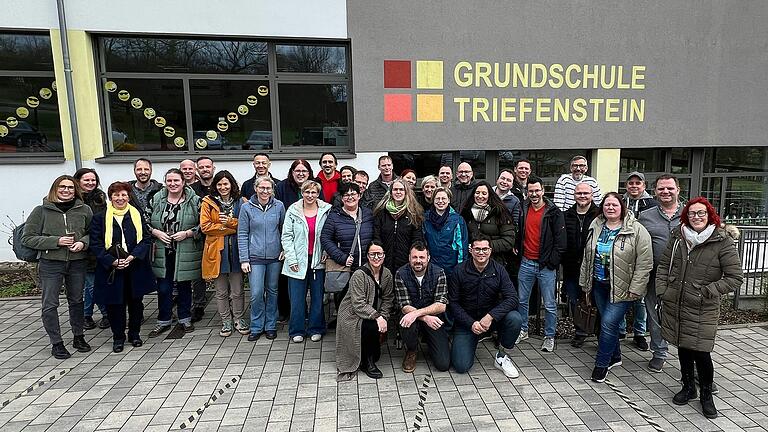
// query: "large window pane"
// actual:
[[147, 114], [25, 52], [235, 113], [745, 197], [313, 115], [735, 159], [642, 160], [476, 159], [185, 56], [423, 163], [30, 116], [314, 59], [681, 161], [544, 163]]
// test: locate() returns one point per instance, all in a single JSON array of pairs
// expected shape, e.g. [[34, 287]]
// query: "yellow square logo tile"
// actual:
[[429, 108], [429, 74]]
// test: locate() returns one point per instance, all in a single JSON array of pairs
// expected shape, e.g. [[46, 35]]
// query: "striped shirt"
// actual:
[[566, 185]]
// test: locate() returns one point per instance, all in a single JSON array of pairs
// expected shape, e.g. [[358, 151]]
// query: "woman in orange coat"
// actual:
[[221, 263]]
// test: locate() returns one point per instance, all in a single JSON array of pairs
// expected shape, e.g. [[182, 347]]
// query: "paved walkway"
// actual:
[[280, 386]]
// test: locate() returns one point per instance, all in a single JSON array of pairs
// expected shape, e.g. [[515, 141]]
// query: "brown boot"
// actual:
[[409, 362]]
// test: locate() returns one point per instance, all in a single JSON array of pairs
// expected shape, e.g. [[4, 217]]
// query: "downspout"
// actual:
[[68, 83]]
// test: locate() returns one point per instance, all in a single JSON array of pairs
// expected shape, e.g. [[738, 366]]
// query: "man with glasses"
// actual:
[[567, 183], [328, 177], [660, 221], [481, 299], [542, 242], [379, 187], [421, 291], [261, 165], [462, 189]]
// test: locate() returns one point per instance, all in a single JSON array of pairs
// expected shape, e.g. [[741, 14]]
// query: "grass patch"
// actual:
[[17, 289]]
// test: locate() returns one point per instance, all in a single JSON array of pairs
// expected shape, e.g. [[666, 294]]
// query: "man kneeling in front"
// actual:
[[421, 291], [481, 298]]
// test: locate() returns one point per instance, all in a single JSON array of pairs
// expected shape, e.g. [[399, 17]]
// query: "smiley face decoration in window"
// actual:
[[45, 93], [33, 102], [263, 90], [252, 100], [232, 117], [137, 103], [123, 95]]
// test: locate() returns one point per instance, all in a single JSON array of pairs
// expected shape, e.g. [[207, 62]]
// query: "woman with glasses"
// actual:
[[305, 262], [258, 240], [121, 242], [363, 315], [617, 263], [175, 223], [445, 232], [59, 230], [288, 191], [700, 264], [485, 213], [397, 224], [221, 260]]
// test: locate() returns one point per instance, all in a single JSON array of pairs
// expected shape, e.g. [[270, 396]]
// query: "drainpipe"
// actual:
[[68, 82]]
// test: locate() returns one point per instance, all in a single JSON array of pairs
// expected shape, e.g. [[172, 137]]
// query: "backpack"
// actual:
[[22, 251]]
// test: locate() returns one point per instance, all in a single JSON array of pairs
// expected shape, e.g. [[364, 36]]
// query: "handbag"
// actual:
[[585, 315], [336, 275]]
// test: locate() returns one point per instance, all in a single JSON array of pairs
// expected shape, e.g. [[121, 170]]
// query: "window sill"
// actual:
[[117, 158], [30, 159]]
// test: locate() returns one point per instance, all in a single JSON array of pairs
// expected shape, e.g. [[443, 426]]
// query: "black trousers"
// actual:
[[703, 362], [283, 299], [437, 342], [116, 313], [370, 347]]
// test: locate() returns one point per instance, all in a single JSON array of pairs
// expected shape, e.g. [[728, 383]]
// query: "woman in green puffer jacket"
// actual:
[[59, 230]]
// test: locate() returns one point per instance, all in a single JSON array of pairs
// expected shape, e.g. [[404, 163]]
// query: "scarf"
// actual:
[[693, 239], [396, 210], [111, 213], [437, 220], [480, 212]]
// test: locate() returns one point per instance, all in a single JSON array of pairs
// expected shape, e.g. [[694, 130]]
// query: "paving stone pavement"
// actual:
[[282, 386]]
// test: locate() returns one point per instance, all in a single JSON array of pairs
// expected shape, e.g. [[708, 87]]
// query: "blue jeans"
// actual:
[[574, 292], [165, 301], [263, 282], [297, 291], [638, 325], [465, 341], [88, 296], [608, 346], [530, 271]]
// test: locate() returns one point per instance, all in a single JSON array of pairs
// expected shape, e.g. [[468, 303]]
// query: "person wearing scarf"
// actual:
[[445, 232], [397, 224], [485, 213], [700, 264], [121, 244]]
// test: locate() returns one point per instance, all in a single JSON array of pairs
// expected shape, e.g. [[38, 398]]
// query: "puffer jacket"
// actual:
[[690, 283], [46, 224], [502, 235], [339, 231], [287, 192], [258, 230], [295, 239], [631, 259], [397, 236], [220, 239], [189, 251], [473, 293], [460, 193]]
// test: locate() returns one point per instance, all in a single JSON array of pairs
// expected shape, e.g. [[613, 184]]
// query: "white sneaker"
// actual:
[[523, 336], [505, 365], [298, 339], [316, 337], [549, 344]]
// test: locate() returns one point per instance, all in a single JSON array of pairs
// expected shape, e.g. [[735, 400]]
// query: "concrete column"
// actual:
[[605, 168]]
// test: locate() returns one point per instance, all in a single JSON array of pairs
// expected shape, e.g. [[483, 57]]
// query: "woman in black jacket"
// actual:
[[485, 213], [397, 223]]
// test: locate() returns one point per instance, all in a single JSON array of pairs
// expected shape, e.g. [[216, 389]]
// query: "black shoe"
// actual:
[[707, 403], [89, 323], [282, 319], [614, 363], [641, 343], [271, 334], [715, 390], [158, 330], [254, 336], [578, 341], [188, 327], [80, 344], [369, 367], [59, 351], [117, 346], [104, 323], [137, 342], [198, 313], [622, 336], [599, 374], [332, 324]]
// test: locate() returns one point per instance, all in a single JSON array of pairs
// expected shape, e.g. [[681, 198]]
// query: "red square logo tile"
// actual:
[[398, 108], [397, 74]]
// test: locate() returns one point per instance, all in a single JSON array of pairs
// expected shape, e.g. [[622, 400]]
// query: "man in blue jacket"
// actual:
[[481, 298]]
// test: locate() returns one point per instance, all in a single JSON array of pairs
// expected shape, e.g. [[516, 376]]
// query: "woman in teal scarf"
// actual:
[[397, 224]]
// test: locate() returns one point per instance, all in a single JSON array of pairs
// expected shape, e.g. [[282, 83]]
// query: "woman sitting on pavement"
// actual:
[[699, 265], [121, 243]]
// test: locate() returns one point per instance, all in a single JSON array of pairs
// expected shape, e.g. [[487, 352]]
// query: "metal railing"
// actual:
[[753, 250]]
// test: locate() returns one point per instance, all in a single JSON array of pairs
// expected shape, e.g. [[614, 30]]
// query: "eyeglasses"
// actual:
[[302, 171], [65, 187], [579, 165], [582, 193], [700, 213], [484, 250], [350, 195], [264, 188], [464, 172], [376, 255]]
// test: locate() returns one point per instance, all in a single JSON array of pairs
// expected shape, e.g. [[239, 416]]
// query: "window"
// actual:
[[736, 182], [642, 160], [423, 163], [225, 96], [735, 159], [29, 111]]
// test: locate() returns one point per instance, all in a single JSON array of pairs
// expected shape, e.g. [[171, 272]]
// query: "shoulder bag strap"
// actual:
[[358, 222]]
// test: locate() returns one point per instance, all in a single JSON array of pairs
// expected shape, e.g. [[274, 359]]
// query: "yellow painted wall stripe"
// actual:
[[605, 164]]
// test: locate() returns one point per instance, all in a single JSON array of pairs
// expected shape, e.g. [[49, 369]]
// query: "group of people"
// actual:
[[451, 265]]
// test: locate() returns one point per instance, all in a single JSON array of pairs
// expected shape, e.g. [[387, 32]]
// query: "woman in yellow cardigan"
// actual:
[[221, 263]]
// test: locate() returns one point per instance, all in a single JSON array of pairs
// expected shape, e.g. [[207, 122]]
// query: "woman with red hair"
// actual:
[[700, 264]]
